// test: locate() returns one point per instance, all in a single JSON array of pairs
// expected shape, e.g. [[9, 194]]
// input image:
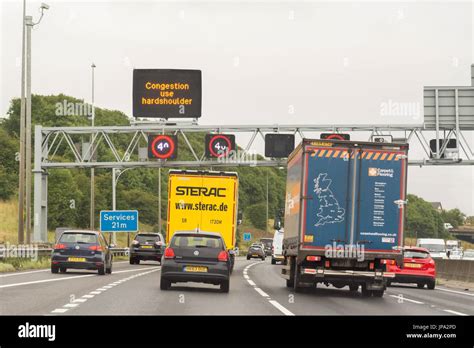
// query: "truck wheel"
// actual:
[[273, 261], [225, 286], [365, 292], [248, 257], [353, 288], [431, 284], [378, 293], [164, 284], [420, 285], [291, 282]]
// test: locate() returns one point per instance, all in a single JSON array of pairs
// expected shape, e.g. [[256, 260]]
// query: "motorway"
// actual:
[[256, 288]]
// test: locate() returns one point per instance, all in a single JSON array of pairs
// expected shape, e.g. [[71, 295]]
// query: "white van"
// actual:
[[277, 249], [435, 246]]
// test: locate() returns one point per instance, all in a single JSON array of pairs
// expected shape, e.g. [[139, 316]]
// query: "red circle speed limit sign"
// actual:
[[219, 145], [161, 146]]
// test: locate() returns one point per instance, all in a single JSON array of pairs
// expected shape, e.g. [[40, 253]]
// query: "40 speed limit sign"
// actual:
[[162, 146], [219, 145]]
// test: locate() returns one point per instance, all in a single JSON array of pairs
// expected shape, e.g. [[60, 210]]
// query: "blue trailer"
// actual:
[[344, 214]]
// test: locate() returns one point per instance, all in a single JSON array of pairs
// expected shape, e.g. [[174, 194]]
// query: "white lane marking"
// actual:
[[454, 312], [403, 298], [261, 292], [97, 292], [60, 310], [42, 270], [264, 294], [456, 292], [281, 308], [21, 273], [66, 278]]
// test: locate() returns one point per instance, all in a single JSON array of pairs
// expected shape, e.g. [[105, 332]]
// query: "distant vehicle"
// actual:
[[267, 244], [468, 254], [435, 246], [256, 251], [418, 268], [453, 243], [277, 248], [448, 226], [204, 201], [454, 254], [349, 196], [147, 246], [77, 249], [200, 257]]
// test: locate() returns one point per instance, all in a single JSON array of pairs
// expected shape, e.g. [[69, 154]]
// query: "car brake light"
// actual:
[[313, 258], [223, 256], [169, 253], [327, 264], [371, 265], [60, 246], [95, 248]]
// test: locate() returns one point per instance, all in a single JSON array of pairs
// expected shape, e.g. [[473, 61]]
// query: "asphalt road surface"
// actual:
[[256, 288]]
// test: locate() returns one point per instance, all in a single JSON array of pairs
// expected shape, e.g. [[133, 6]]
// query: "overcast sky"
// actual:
[[267, 62]]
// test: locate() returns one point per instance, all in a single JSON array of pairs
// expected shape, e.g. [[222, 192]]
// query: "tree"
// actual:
[[257, 215], [454, 216], [422, 220]]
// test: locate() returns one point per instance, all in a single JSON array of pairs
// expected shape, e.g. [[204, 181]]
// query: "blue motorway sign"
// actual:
[[119, 221], [247, 236]]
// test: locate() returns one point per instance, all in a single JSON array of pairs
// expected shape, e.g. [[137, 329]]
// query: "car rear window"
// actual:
[[88, 238], [142, 238], [416, 254], [190, 241]]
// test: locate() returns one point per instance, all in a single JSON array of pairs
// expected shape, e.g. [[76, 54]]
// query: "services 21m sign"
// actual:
[[166, 93]]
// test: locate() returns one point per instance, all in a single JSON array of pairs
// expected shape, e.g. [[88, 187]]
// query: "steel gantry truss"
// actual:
[[57, 147]]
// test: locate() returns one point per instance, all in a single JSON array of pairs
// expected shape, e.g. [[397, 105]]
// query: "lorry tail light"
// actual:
[[313, 258], [95, 248], [60, 246], [371, 266], [169, 253], [388, 262], [327, 264], [223, 256]]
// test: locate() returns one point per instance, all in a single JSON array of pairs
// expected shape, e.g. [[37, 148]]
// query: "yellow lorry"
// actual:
[[203, 201]]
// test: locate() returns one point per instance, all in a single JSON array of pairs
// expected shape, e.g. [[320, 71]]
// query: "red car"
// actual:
[[418, 267]]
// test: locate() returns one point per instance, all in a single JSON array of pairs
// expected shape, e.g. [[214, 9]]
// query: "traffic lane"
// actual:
[[142, 296], [37, 296], [329, 300], [447, 300]]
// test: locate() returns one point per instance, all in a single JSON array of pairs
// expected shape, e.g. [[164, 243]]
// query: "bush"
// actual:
[[257, 215]]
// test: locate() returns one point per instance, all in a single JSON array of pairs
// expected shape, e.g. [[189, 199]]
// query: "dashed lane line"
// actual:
[[262, 293], [456, 292], [454, 312], [75, 303], [403, 298]]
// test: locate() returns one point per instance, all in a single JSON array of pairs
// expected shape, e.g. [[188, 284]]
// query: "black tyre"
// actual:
[[132, 261], [353, 288], [431, 284], [365, 292], [263, 258], [165, 284], [225, 286], [273, 261], [248, 257], [137, 261], [102, 270], [62, 269], [378, 293], [54, 269], [108, 270], [420, 285]]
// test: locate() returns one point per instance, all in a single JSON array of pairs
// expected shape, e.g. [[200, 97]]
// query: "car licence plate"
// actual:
[[412, 265], [76, 259], [254, 255], [147, 246], [195, 269]]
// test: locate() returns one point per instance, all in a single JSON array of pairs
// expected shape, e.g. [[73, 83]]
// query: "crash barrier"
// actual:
[[460, 270], [8, 252]]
